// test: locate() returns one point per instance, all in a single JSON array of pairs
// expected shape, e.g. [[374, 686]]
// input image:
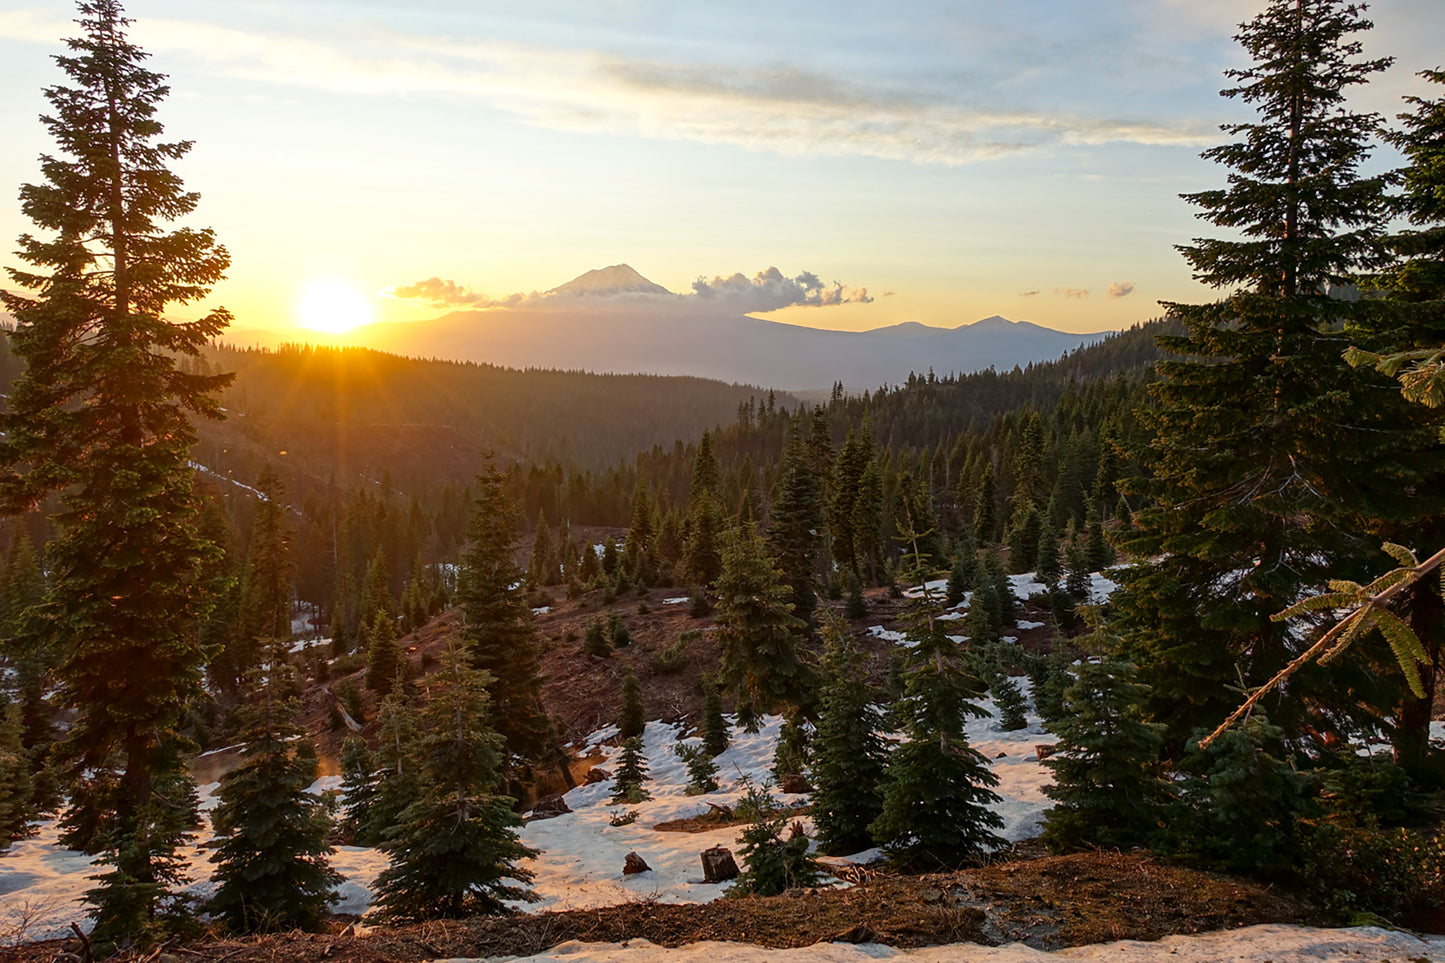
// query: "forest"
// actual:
[[340, 558]]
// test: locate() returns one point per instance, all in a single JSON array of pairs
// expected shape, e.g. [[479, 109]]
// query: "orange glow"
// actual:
[[333, 306]]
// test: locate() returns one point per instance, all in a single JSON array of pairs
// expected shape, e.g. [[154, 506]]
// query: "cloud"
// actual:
[[784, 109], [448, 294], [767, 290], [770, 290], [1027, 294], [1121, 289], [1072, 292]]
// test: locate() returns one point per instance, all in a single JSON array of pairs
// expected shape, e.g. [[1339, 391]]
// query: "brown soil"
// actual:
[[1048, 903]]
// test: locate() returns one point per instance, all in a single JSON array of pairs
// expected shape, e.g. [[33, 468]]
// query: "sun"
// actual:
[[333, 306]]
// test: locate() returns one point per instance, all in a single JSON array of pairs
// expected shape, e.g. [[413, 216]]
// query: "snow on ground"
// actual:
[[676, 601], [1254, 944]]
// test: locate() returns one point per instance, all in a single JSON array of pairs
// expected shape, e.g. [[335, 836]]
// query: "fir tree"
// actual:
[[1048, 565], [849, 755], [1108, 791], [960, 578], [358, 787], [631, 717], [706, 479], [397, 778], [757, 630], [773, 864], [101, 412], [936, 793], [701, 769], [497, 620], [796, 520], [1269, 454], [702, 556], [631, 774], [17, 788], [542, 568], [385, 659], [1009, 701], [455, 851], [790, 755], [714, 726], [1024, 538], [594, 639], [271, 868]]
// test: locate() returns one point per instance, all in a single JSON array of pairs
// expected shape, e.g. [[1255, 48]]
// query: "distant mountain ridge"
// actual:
[[614, 320]]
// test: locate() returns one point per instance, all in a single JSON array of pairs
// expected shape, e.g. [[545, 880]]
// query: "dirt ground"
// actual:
[[1047, 902]]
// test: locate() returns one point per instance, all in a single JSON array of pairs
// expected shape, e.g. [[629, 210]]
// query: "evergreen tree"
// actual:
[[771, 863], [397, 779], [868, 524], [455, 851], [701, 769], [961, 578], [631, 716], [17, 788], [1024, 538], [271, 868], [714, 726], [385, 660], [706, 479], [631, 774], [542, 568], [849, 754], [702, 557], [790, 755], [101, 413], [497, 621], [1109, 791], [985, 511], [1009, 701], [757, 630], [1048, 565], [358, 786], [796, 520], [1270, 456], [936, 793], [266, 604]]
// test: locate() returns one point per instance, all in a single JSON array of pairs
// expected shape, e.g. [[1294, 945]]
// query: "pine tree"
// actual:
[[963, 575], [1109, 791], [101, 413], [266, 605], [702, 556], [631, 716], [385, 659], [17, 787], [1009, 701], [757, 630], [542, 569], [936, 793], [701, 769], [455, 851], [1024, 538], [772, 864], [358, 787], [1270, 455], [790, 755], [706, 479], [271, 867], [631, 774], [714, 726], [849, 754], [497, 621], [796, 520], [1048, 565], [397, 778]]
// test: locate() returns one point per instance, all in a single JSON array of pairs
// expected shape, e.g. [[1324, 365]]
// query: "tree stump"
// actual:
[[633, 864], [718, 865]]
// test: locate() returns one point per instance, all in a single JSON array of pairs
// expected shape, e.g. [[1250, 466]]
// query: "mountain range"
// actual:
[[615, 320]]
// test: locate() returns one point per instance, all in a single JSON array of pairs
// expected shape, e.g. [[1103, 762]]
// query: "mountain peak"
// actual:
[[993, 321], [617, 279]]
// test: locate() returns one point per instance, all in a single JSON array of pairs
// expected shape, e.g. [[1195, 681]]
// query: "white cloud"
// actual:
[[783, 109], [1121, 289]]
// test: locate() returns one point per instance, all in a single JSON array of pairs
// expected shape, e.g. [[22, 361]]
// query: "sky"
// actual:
[[936, 161]]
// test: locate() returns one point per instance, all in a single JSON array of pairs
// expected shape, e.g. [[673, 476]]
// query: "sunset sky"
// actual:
[[955, 159]]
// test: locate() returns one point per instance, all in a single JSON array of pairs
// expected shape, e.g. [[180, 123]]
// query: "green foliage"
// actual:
[[1244, 806], [271, 867], [497, 621], [455, 851], [626, 818], [796, 519], [701, 769], [714, 725], [849, 754], [1010, 702], [358, 787], [790, 756], [757, 630], [100, 414], [1362, 874], [631, 716], [936, 793], [1109, 789], [960, 578], [17, 789], [594, 639], [631, 774], [385, 659], [617, 632], [673, 658], [772, 864], [397, 776]]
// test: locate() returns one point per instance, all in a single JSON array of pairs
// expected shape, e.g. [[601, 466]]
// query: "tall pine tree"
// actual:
[[101, 414]]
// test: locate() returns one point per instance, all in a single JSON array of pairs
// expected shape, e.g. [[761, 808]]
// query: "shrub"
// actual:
[[772, 864], [672, 658], [1360, 874]]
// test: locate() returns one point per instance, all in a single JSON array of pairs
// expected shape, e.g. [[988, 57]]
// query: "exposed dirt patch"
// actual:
[[1049, 902]]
